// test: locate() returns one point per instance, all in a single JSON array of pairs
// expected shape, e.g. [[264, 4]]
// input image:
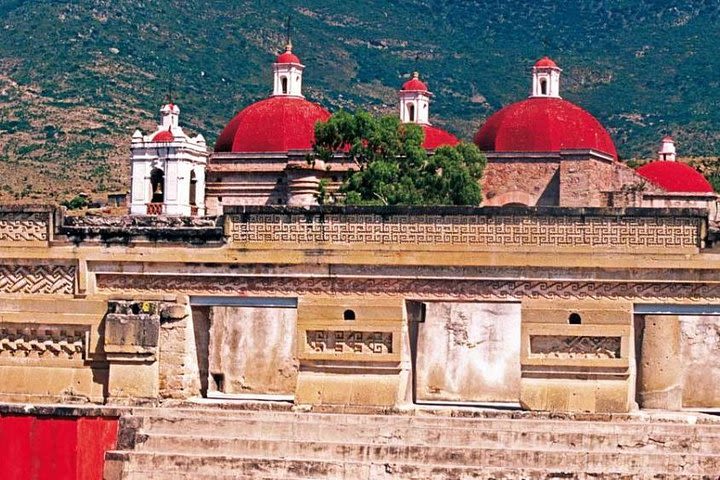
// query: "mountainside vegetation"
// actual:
[[76, 78]]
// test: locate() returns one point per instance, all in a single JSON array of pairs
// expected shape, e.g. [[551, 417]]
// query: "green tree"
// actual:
[[392, 168]]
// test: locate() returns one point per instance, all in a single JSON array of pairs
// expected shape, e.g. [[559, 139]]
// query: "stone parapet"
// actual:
[[465, 228]]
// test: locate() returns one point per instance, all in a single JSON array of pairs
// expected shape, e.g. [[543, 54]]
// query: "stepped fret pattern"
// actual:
[[42, 341], [505, 231], [322, 341], [419, 288], [23, 227], [37, 279]]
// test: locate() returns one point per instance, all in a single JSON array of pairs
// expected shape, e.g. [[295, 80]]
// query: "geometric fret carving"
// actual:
[[552, 346], [23, 227], [604, 232], [23, 341], [37, 279], [415, 288], [338, 341]]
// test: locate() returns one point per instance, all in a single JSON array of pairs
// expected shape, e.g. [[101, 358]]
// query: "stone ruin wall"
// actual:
[[98, 322]]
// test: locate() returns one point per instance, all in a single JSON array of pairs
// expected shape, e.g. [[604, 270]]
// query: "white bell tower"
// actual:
[[667, 149], [415, 101], [287, 74], [168, 169], [546, 79]]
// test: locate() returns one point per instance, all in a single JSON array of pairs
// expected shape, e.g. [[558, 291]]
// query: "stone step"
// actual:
[[286, 422], [439, 436], [497, 464], [656, 461]]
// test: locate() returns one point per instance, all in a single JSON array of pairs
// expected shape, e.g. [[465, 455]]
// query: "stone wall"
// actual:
[[468, 352], [253, 350], [700, 361], [84, 317]]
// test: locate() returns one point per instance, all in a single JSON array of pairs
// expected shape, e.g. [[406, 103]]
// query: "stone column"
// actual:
[[660, 366], [303, 182]]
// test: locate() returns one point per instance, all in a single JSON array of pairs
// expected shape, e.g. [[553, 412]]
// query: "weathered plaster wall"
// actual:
[[469, 352], [700, 361], [254, 350]]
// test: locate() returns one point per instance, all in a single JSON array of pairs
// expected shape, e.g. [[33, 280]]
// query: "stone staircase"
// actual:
[[205, 443]]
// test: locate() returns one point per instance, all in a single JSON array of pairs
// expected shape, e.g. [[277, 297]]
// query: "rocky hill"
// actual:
[[76, 78]]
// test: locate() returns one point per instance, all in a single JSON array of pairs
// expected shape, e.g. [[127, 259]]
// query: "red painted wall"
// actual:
[[59, 448]]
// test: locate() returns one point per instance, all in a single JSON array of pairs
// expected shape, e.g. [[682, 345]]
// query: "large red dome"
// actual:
[[276, 124], [543, 124], [675, 177], [437, 137]]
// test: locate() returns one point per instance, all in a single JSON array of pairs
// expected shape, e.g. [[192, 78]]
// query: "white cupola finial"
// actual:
[[169, 115], [546, 79], [415, 101], [287, 73], [667, 149]]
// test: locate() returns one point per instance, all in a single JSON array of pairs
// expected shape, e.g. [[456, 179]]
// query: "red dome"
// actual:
[[163, 136], [546, 62], [543, 124], [437, 137], [287, 57], [276, 124], [415, 85], [675, 177]]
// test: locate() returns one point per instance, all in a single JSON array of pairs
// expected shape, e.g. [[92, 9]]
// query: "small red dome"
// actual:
[[546, 62], [276, 124], [415, 84], [163, 136], [675, 177], [543, 124], [287, 57], [437, 137]]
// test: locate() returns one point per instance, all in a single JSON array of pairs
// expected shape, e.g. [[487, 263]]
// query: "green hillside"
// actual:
[[76, 78]]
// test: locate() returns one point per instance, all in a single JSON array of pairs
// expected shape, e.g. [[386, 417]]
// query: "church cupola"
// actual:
[[287, 74], [546, 79], [415, 101], [667, 149]]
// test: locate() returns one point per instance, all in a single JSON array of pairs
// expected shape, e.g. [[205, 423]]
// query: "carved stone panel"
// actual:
[[338, 341], [469, 352], [37, 279], [552, 346], [24, 227], [20, 343], [417, 288], [505, 231]]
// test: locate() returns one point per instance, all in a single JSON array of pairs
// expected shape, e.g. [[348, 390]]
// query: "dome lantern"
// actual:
[[287, 74], [546, 79], [667, 149], [415, 101]]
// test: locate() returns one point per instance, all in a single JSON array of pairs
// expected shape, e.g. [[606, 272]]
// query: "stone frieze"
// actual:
[[508, 231], [412, 288], [37, 279]]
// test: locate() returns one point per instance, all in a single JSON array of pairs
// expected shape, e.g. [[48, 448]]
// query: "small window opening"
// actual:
[[574, 319], [349, 315], [543, 87], [193, 188], [411, 112], [284, 82], [157, 180]]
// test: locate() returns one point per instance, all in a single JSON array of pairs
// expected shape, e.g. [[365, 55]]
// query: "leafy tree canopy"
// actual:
[[392, 168]]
